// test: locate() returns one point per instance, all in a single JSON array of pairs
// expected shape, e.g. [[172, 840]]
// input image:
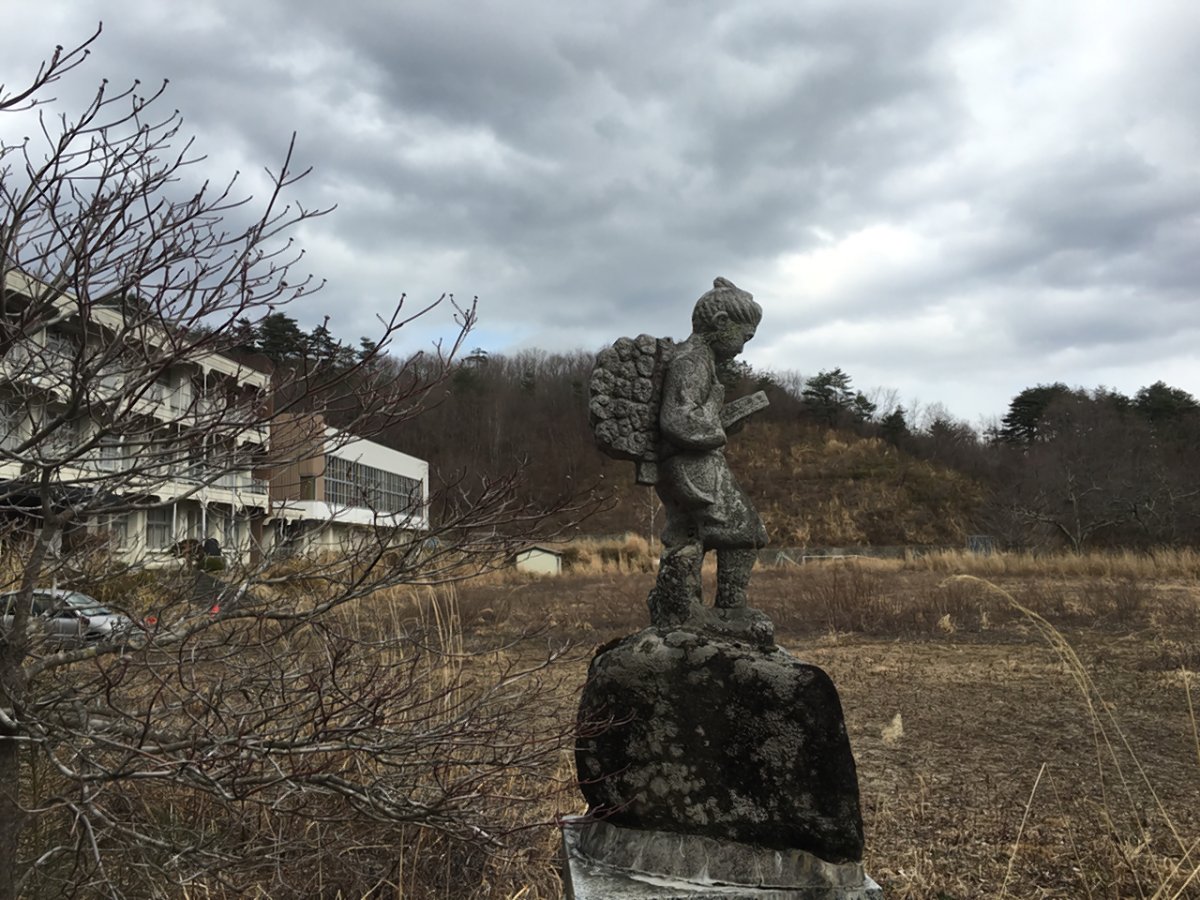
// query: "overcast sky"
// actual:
[[952, 199]]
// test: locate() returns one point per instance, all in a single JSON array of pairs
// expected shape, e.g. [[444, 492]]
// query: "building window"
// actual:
[[60, 348], [353, 484], [113, 455], [198, 468], [63, 438], [158, 528], [192, 523], [232, 538], [10, 425], [163, 392], [117, 528], [215, 527], [223, 525]]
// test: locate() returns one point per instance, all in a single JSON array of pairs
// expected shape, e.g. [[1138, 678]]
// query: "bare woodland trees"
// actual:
[[278, 734], [1097, 468]]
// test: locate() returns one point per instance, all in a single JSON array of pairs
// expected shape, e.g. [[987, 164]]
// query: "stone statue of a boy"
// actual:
[[706, 508]]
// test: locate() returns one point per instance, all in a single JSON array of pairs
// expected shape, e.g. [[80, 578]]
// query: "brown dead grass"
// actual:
[[1025, 733]]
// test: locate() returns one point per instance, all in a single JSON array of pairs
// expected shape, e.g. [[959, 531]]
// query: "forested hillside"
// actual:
[[1067, 467], [826, 464]]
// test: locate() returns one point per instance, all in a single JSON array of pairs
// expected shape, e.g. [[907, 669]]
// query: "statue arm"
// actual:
[[690, 416]]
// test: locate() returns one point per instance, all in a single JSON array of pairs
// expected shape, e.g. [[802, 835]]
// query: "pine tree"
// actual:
[[280, 338], [893, 428], [831, 398], [1024, 421]]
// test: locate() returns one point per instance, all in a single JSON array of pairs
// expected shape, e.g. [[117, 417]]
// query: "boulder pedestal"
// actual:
[[714, 767], [702, 735], [607, 862]]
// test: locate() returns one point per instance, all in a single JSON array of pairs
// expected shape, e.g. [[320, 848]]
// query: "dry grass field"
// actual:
[[1024, 727]]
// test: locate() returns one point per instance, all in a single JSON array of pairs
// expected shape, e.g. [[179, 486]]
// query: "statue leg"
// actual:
[[678, 582], [733, 575]]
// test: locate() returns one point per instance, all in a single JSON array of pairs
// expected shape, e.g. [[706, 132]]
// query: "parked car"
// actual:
[[68, 617]]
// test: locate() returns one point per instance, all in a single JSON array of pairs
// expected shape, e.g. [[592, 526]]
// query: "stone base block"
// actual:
[[714, 737], [607, 862]]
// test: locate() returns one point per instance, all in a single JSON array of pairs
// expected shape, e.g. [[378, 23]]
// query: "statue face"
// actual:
[[728, 338]]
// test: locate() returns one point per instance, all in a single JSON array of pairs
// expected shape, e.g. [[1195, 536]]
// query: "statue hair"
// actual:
[[725, 297]]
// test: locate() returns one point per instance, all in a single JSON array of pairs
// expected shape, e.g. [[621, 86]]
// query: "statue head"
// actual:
[[726, 317]]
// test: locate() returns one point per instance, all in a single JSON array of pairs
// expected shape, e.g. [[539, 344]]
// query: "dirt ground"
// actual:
[[991, 761], [979, 761]]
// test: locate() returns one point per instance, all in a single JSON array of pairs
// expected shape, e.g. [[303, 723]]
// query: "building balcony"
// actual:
[[320, 511]]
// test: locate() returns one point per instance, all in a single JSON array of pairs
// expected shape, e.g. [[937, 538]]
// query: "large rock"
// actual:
[[701, 734]]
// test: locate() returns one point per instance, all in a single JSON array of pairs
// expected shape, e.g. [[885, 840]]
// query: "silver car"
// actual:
[[68, 617]]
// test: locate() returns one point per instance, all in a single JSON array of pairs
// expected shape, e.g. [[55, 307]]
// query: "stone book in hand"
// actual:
[[736, 410]]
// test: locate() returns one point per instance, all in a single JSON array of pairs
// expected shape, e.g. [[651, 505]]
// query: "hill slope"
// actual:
[[813, 485], [817, 486]]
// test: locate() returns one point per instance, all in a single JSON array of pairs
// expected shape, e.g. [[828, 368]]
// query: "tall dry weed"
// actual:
[[1149, 856], [872, 597], [631, 553], [1160, 563], [485, 731]]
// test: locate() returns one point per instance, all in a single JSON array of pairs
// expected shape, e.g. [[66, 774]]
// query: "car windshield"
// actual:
[[84, 604]]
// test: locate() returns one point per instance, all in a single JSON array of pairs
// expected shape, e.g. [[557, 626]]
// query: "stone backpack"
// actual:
[[626, 391]]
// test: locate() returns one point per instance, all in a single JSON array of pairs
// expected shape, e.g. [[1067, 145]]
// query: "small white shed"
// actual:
[[539, 560]]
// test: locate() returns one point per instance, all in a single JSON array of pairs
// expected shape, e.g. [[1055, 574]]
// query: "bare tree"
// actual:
[[886, 400], [242, 741], [1092, 477]]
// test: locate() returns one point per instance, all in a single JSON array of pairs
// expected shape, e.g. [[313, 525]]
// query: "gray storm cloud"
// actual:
[[1006, 190]]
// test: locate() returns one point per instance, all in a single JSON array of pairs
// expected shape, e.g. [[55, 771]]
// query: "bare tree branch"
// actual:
[[268, 727]]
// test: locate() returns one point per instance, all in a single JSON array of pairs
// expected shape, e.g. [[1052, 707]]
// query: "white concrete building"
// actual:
[[344, 490], [196, 449], [87, 369]]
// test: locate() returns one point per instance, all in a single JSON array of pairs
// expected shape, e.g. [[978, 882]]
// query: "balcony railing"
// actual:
[[113, 463], [233, 480]]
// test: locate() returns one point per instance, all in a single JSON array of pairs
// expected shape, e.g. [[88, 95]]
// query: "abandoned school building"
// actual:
[[321, 490]]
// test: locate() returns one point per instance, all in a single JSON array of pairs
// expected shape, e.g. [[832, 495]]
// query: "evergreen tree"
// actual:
[[893, 428], [862, 408], [367, 349], [1023, 423], [1162, 404], [244, 336], [831, 398], [321, 344], [280, 338]]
